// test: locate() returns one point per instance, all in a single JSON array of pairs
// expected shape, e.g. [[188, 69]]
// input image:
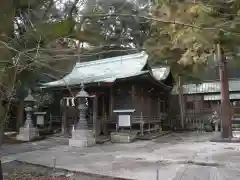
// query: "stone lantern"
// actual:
[[29, 103], [82, 135], [28, 132]]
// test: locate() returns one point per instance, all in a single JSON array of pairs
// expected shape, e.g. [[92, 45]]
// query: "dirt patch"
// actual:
[[16, 170]]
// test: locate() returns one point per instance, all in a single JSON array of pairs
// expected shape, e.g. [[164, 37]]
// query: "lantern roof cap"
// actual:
[[29, 97], [82, 93]]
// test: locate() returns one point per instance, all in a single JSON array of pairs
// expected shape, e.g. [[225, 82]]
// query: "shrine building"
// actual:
[[124, 83]]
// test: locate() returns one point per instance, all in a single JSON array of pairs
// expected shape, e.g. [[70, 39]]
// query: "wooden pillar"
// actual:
[[154, 105], [64, 121], [103, 106], [142, 103], [104, 116], [111, 104], [156, 99], [64, 117], [149, 107], [159, 113], [159, 108], [96, 123], [133, 97]]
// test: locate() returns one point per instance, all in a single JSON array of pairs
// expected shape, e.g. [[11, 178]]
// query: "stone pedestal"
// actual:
[[216, 134], [123, 137], [27, 133], [82, 138]]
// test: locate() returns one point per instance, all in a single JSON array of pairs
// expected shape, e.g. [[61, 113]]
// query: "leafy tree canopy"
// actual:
[[185, 32]]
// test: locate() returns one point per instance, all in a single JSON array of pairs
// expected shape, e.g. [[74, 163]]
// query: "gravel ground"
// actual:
[[22, 171]]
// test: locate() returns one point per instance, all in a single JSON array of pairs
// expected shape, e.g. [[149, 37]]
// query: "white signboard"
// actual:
[[124, 121], [40, 120]]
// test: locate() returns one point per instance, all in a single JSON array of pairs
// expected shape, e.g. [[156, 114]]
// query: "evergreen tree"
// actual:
[[186, 33]]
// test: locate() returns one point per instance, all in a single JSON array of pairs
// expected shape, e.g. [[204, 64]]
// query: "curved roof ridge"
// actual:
[[111, 59], [108, 70]]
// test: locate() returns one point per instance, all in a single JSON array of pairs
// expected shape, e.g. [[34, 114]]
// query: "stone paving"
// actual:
[[177, 156], [31, 146]]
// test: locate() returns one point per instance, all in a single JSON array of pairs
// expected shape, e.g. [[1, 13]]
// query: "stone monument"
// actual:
[[28, 132], [82, 135]]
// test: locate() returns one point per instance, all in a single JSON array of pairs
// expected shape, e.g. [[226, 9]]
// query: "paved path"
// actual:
[[185, 156], [31, 146]]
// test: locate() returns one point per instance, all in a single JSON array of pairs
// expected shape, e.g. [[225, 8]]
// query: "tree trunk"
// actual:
[[2, 122], [20, 114], [226, 108], [181, 102], [1, 134], [6, 31], [2, 115], [1, 172]]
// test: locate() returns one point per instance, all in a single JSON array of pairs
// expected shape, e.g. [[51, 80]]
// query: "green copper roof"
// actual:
[[217, 97], [208, 87], [108, 70]]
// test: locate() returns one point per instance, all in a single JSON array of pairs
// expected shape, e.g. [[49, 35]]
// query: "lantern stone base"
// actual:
[[82, 138], [27, 134]]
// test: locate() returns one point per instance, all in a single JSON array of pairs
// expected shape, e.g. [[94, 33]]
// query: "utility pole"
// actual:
[[225, 108]]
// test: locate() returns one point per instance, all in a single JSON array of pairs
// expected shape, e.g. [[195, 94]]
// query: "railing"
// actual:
[[55, 123], [191, 121], [141, 124], [195, 124], [171, 122], [146, 119], [56, 119]]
